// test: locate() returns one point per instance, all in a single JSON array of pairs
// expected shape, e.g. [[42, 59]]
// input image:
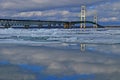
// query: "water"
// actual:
[[60, 54]]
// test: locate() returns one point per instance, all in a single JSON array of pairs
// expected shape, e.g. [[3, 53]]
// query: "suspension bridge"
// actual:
[[8, 23]]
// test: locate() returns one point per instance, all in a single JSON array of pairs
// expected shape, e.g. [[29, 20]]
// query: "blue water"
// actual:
[[4, 62], [32, 68]]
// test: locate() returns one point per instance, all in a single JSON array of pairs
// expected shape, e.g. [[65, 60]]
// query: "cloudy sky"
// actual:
[[107, 10]]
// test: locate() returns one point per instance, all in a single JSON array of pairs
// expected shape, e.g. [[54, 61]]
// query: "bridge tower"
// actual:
[[95, 20], [83, 17]]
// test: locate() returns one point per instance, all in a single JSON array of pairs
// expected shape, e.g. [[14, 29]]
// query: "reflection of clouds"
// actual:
[[114, 48], [62, 61]]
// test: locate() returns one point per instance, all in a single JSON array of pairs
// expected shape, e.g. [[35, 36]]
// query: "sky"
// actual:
[[61, 10]]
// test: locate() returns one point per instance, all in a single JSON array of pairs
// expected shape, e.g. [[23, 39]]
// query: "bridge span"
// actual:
[[8, 23]]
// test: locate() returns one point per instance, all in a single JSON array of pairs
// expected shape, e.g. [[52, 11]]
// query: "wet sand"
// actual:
[[61, 61]]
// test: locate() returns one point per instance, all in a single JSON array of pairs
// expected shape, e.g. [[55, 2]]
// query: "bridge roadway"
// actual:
[[7, 23]]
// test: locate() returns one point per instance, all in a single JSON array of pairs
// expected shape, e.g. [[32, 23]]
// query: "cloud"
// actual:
[[48, 15], [108, 12], [109, 19], [42, 4], [28, 14]]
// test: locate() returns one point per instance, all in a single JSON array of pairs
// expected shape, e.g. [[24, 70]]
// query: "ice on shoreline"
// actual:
[[103, 36]]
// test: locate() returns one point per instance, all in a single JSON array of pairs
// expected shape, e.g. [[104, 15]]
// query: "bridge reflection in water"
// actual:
[[82, 47], [8, 23]]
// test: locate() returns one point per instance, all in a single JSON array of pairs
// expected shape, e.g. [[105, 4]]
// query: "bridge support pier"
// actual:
[[49, 25], [54, 25], [40, 25], [70, 25], [27, 26], [7, 26], [67, 25], [59, 25]]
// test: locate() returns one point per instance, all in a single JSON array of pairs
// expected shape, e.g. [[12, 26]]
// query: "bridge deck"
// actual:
[[26, 23]]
